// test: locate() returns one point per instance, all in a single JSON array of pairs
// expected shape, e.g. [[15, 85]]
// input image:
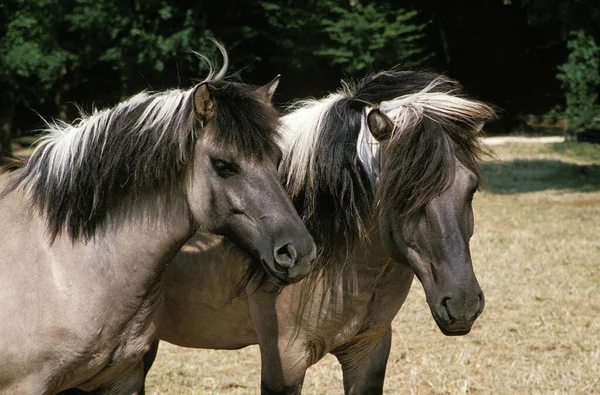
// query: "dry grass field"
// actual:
[[536, 252]]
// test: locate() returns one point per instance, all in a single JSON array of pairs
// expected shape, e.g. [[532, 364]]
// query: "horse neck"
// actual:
[[130, 253], [370, 254], [367, 257]]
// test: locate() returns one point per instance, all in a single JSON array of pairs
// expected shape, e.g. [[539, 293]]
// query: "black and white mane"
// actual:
[[79, 173], [338, 174]]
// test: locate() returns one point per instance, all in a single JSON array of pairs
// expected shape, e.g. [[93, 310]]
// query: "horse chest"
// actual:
[[389, 295], [343, 315], [118, 347], [141, 330], [372, 305]]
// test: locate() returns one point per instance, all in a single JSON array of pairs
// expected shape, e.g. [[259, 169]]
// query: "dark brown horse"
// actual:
[[92, 218], [383, 175]]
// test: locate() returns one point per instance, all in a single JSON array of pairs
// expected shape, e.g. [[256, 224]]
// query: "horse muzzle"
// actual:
[[455, 315], [288, 265]]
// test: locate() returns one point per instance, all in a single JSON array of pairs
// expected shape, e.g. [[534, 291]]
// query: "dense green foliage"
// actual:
[[366, 37], [95, 52], [56, 52], [580, 77]]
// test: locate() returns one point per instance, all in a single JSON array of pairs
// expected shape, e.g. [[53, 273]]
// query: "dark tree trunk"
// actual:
[[6, 116]]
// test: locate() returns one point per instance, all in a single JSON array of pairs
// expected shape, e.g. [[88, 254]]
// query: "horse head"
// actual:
[[428, 176], [240, 195]]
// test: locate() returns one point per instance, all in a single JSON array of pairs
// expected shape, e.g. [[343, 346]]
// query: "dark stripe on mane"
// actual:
[[122, 154], [332, 207], [388, 85], [244, 121]]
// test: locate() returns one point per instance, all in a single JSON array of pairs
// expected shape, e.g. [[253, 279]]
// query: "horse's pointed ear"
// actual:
[[203, 104], [267, 91], [380, 125]]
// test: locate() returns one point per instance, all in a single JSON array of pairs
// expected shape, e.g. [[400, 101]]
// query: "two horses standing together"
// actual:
[[382, 174]]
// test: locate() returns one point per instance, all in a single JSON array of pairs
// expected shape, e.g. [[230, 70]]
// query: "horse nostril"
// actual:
[[481, 304], [445, 313], [285, 256]]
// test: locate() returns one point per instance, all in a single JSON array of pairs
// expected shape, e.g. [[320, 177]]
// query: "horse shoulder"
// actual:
[[391, 291], [23, 266]]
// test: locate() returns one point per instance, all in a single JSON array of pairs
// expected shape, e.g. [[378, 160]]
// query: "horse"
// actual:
[[383, 173], [101, 206]]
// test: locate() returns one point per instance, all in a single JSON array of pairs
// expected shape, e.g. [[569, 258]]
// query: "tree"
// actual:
[[371, 37], [315, 43], [126, 45], [32, 61], [59, 52], [580, 78]]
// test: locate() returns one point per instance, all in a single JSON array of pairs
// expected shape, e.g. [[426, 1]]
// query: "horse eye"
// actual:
[[223, 168]]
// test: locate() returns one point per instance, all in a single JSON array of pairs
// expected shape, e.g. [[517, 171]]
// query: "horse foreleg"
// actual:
[[148, 360], [363, 363], [282, 347], [283, 367], [127, 383]]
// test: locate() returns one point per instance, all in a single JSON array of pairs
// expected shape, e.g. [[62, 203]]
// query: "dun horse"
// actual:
[[92, 218], [383, 175]]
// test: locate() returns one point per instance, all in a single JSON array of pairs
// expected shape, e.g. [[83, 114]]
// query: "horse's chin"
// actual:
[[454, 333], [451, 328]]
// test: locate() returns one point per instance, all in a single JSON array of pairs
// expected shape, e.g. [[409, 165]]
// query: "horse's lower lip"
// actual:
[[446, 330], [454, 333], [446, 327], [273, 276]]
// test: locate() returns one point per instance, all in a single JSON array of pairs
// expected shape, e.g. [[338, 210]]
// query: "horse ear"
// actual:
[[203, 104], [380, 125], [267, 91]]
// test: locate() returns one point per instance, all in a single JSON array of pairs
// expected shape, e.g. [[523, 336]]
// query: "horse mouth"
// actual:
[[448, 328], [275, 277], [454, 333]]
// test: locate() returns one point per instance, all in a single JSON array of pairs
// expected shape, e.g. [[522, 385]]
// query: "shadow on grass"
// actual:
[[532, 175]]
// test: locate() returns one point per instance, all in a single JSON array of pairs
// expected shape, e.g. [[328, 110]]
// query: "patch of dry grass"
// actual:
[[536, 252]]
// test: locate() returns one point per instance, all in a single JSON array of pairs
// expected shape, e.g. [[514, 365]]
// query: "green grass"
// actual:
[[528, 167], [532, 175], [579, 151], [573, 152]]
